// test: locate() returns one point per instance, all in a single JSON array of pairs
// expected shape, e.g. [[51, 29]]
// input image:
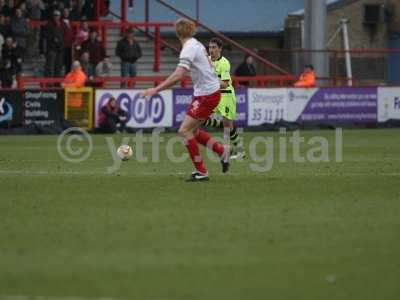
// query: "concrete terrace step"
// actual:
[[169, 59]]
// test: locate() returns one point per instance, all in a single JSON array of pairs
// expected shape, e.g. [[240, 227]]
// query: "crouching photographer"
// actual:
[[112, 118]]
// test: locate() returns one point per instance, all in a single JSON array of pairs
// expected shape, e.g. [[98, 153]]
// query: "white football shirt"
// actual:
[[195, 59]]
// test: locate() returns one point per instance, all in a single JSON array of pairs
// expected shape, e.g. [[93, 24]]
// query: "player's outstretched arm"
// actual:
[[172, 79]]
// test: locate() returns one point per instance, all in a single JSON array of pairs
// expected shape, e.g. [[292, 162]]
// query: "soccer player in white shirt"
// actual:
[[206, 96]]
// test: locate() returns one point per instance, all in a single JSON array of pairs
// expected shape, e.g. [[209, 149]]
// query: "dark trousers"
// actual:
[[128, 69], [111, 125], [67, 59], [54, 63]]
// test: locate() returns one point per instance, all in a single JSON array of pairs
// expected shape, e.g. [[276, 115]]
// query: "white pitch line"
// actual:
[[80, 173], [24, 297], [124, 173]]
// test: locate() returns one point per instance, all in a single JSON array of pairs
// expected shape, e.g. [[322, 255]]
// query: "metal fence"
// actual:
[[368, 66]]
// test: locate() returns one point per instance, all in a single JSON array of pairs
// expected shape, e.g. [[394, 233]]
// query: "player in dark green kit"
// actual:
[[227, 106]]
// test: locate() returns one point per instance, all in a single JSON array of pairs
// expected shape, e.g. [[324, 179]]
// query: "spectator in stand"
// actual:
[[68, 40], [104, 8], [76, 78], [89, 10], [129, 51], [35, 8], [61, 6], [112, 118], [85, 64], [5, 9], [74, 10], [81, 36], [66, 14], [307, 78], [50, 8], [96, 51], [53, 45], [19, 28], [24, 10], [7, 74], [246, 68], [104, 68], [5, 28], [14, 53], [1, 43]]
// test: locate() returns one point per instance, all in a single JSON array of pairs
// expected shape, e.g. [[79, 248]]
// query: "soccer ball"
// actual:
[[124, 152]]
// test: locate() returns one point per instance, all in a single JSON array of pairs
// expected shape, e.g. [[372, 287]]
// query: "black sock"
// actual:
[[234, 136], [213, 123]]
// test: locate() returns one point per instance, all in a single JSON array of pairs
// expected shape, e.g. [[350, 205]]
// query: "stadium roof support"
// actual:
[[315, 34]]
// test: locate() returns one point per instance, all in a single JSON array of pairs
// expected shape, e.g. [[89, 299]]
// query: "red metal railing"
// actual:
[[265, 80], [257, 57], [103, 26], [123, 18], [369, 66], [259, 81]]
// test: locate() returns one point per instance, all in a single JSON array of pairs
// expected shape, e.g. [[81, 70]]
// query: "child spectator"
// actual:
[[81, 36]]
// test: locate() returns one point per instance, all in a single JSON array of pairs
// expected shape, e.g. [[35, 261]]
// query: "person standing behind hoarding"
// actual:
[[96, 51], [246, 69], [76, 78], [307, 78], [129, 51], [19, 28], [52, 45]]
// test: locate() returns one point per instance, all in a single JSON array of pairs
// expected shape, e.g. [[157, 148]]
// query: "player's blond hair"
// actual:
[[185, 28]]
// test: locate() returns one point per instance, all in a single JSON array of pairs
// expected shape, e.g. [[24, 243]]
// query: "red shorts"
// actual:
[[202, 106]]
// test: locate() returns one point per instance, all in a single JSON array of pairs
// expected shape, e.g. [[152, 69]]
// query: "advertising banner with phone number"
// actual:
[[321, 105]]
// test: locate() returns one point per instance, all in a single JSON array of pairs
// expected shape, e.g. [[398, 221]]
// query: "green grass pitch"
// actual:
[[324, 230]]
